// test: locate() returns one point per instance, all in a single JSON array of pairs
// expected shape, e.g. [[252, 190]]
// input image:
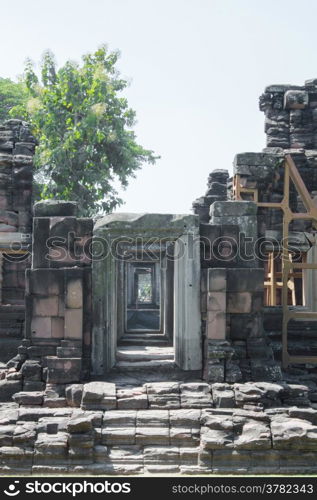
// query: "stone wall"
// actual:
[[236, 346], [17, 147], [167, 428], [57, 344], [264, 172], [232, 287], [216, 191], [291, 115], [54, 422]]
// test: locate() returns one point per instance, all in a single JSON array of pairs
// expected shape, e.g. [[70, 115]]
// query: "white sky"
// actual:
[[197, 68]]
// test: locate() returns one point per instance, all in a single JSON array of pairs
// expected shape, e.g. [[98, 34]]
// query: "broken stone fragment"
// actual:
[[54, 208], [223, 395], [296, 99], [74, 394], [79, 425], [28, 398], [99, 395], [293, 433], [31, 370]]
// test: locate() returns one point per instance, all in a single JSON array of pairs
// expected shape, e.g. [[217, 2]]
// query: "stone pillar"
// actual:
[[187, 322], [57, 316]]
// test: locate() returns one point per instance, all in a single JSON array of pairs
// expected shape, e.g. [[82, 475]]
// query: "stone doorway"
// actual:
[[145, 310], [146, 307]]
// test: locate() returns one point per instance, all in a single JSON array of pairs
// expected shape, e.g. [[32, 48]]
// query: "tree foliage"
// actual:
[[84, 127], [11, 94]]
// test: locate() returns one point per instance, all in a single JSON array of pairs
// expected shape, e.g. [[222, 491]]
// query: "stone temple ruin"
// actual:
[[157, 343]]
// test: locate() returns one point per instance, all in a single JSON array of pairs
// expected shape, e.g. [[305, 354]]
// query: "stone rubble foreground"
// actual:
[[161, 428]]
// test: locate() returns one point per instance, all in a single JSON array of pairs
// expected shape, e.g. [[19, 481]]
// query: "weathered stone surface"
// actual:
[[161, 454], [254, 435], [167, 401], [293, 433], [118, 436], [99, 395], [137, 402], [216, 439], [296, 99], [6, 435], [184, 436], [254, 392], [28, 398], [74, 294], [31, 370], [79, 425], [24, 434], [52, 424], [55, 208], [119, 418], [152, 418], [63, 370], [195, 395], [9, 415], [163, 388], [74, 394], [223, 396], [226, 461], [185, 418], [8, 388], [309, 414], [233, 208], [152, 435], [216, 431], [81, 442], [51, 448]]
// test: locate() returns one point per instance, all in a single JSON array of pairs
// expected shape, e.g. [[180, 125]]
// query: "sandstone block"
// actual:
[[73, 326], [99, 395], [152, 435], [45, 306], [216, 325], [63, 370], [8, 388], [41, 327], [79, 425], [296, 99], [74, 294], [216, 280], [240, 302], [118, 436], [53, 208], [74, 394], [28, 398], [152, 418]]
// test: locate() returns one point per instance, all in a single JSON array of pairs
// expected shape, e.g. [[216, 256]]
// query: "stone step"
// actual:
[[135, 354], [144, 339], [139, 341], [34, 398], [162, 364]]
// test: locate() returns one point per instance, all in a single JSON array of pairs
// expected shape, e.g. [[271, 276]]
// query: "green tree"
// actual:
[[84, 128], [11, 94]]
